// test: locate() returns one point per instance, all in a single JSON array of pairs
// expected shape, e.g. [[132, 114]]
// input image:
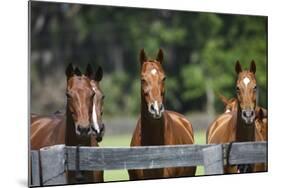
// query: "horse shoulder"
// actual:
[[136, 138], [260, 130], [46, 131], [184, 121], [180, 126], [221, 130]]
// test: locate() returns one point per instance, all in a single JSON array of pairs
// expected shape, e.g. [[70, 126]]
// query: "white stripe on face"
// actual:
[[153, 71], [95, 119], [156, 106], [246, 81]]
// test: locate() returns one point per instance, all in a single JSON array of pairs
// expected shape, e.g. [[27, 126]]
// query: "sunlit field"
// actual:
[[124, 140]]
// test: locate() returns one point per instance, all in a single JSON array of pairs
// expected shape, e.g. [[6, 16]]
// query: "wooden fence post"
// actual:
[[53, 165], [35, 168], [213, 159]]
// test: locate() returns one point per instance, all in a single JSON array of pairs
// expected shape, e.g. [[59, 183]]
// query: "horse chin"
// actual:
[[156, 116], [82, 136], [249, 121], [98, 138]]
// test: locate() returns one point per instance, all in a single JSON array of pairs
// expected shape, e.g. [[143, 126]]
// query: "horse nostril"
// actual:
[[102, 128], [79, 129], [252, 113], [161, 107], [152, 107], [248, 113], [244, 113], [83, 131]]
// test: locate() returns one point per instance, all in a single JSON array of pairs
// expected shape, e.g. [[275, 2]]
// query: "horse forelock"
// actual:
[[246, 75], [79, 82], [151, 65]]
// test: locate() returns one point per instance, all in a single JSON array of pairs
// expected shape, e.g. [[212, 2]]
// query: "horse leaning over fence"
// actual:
[[157, 126], [239, 122], [80, 126]]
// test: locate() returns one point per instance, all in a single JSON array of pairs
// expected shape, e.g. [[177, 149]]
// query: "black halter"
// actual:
[[244, 168]]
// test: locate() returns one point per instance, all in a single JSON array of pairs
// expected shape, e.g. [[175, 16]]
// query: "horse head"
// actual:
[[79, 101], [261, 121], [229, 104], [246, 89], [97, 109], [153, 83]]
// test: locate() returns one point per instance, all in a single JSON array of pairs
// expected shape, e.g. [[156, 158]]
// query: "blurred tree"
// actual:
[[200, 51]]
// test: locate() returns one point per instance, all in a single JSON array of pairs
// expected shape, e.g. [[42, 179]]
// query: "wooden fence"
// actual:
[[54, 160]]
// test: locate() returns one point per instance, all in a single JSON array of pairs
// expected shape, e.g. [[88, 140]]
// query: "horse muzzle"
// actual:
[[248, 115], [156, 110], [98, 132], [83, 131]]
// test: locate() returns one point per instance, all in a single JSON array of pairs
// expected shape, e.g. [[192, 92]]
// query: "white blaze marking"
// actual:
[[227, 111], [95, 119], [156, 106], [153, 71], [246, 81]]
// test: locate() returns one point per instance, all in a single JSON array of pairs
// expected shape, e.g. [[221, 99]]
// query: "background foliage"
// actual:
[[200, 51]]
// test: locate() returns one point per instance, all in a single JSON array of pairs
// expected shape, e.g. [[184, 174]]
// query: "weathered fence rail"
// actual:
[[54, 160]]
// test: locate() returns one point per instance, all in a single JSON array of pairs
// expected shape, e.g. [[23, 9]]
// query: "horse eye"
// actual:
[[164, 79], [237, 89], [255, 88]]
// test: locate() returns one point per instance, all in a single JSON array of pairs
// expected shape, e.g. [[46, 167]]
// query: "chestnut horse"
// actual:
[[229, 104], [81, 125], [238, 123], [157, 126], [260, 120], [260, 124]]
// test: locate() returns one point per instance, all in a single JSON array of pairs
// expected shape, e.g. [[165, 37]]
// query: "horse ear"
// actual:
[[99, 74], [259, 113], [160, 56], [223, 99], [69, 70], [77, 71], [89, 71], [142, 56], [238, 67], [253, 67]]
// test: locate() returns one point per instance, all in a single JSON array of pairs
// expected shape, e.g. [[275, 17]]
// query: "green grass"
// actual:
[[124, 140]]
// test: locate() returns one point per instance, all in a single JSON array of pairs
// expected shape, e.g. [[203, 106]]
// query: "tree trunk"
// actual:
[[210, 96]]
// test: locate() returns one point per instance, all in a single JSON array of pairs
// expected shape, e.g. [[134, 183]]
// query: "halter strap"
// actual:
[[244, 168]]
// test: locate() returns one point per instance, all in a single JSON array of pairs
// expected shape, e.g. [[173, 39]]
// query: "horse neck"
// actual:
[[152, 130], [244, 132], [71, 139]]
